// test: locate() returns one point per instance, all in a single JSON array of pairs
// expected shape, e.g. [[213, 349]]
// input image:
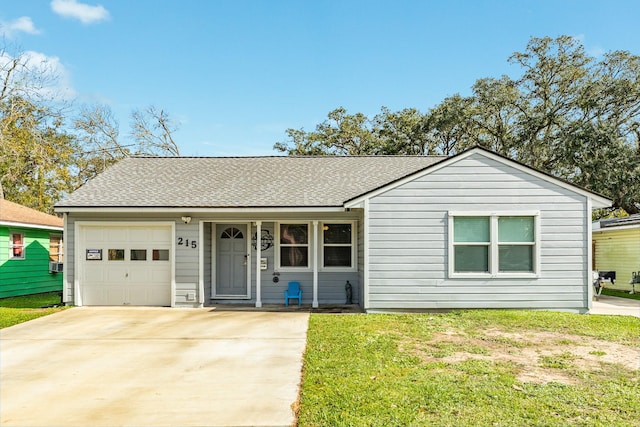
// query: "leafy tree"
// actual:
[[34, 156], [568, 113], [340, 134], [35, 151]]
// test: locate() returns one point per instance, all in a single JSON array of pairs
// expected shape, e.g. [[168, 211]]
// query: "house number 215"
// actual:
[[186, 242]]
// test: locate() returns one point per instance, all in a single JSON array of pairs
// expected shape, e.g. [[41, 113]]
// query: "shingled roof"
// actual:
[[11, 212], [322, 181]]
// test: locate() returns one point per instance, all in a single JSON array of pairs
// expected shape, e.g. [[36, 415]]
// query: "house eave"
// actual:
[[197, 209], [27, 225]]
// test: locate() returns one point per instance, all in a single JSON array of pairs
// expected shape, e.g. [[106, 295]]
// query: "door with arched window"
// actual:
[[231, 261]]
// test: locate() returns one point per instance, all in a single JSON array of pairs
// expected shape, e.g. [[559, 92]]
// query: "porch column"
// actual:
[[258, 254], [314, 304]]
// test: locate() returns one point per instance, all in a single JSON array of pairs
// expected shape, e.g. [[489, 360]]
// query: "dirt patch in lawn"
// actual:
[[541, 357]]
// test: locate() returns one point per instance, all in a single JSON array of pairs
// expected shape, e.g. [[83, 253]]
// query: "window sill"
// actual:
[[494, 276], [293, 269], [338, 269]]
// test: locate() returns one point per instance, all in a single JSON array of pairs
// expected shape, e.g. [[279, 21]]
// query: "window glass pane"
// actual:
[[17, 246], [471, 229], [294, 234], [337, 256], [294, 256], [515, 229], [337, 233], [231, 233], [116, 254], [471, 258], [138, 254], [515, 258], [160, 254]]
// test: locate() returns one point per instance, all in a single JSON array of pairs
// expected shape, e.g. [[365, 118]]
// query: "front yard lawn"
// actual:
[[16, 310], [471, 368], [621, 294]]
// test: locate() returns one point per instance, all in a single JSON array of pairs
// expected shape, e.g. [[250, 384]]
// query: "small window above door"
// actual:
[[231, 233]]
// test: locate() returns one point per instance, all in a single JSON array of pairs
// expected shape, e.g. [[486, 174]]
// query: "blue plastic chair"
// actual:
[[293, 291]]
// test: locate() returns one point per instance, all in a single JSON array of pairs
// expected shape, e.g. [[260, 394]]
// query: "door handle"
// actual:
[[246, 258]]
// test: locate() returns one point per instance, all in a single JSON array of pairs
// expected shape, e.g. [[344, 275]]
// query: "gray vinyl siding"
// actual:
[[187, 265], [331, 285], [408, 240], [186, 259]]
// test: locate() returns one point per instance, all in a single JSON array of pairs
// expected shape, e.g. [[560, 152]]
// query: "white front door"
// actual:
[[231, 261], [125, 264]]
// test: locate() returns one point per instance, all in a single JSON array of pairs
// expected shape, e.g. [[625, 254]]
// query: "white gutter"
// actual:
[[194, 210], [26, 225]]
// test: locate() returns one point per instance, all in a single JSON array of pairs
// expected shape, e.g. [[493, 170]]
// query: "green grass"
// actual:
[[454, 370], [16, 310], [622, 294]]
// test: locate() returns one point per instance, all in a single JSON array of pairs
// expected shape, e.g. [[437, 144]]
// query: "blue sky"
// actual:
[[237, 74]]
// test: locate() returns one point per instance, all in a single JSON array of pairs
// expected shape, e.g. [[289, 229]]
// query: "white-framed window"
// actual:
[[16, 246], [293, 246], [56, 248], [494, 244], [338, 246]]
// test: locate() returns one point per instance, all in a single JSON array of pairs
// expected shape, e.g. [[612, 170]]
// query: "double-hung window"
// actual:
[[493, 245], [338, 246], [16, 246], [293, 242]]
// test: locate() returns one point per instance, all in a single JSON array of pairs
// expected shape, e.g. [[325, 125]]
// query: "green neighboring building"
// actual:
[[31, 251]]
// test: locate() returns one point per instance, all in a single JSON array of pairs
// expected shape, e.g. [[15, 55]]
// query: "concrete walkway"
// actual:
[[152, 367], [615, 305]]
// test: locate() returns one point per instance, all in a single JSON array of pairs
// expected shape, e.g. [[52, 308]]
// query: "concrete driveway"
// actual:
[[152, 367], [606, 304]]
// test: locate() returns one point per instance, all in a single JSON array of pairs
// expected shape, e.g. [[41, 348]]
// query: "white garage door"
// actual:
[[125, 265]]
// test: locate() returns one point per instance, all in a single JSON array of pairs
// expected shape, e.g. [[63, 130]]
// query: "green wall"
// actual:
[[30, 275]]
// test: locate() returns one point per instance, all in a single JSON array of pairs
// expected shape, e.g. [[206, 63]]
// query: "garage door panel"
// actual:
[[115, 273], [135, 280], [161, 275], [140, 275], [95, 235], [105, 295], [118, 234]]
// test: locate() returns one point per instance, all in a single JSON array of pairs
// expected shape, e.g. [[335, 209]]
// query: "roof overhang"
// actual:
[[615, 228], [27, 225], [196, 210]]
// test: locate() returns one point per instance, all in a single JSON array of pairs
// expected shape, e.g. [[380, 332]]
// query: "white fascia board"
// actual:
[[194, 210], [597, 201], [25, 225]]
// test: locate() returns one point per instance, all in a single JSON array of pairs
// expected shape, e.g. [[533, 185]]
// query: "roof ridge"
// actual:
[[331, 156]]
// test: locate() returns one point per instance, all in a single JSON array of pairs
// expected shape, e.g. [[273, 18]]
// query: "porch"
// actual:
[[238, 270], [293, 308]]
